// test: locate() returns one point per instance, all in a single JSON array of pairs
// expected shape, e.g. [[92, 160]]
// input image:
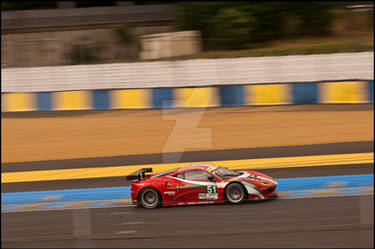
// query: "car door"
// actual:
[[196, 186], [182, 190], [172, 189]]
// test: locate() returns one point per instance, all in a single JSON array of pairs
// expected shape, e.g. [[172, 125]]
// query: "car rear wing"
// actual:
[[139, 174]]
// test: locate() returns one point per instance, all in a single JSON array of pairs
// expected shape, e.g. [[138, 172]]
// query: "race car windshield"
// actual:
[[225, 173]]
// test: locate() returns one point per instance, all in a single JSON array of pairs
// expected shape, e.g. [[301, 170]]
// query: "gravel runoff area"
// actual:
[[36, 136]]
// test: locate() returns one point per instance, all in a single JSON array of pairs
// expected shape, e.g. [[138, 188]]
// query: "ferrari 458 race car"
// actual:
[[199, 184]]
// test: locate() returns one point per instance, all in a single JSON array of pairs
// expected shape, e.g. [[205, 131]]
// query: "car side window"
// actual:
[[196, 175], [180, 175]]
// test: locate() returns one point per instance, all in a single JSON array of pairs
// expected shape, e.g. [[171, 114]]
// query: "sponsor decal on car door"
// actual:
[[196, 190], [211, 192]]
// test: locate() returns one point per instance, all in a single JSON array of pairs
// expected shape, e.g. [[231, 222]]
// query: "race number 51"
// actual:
[[212, 189]]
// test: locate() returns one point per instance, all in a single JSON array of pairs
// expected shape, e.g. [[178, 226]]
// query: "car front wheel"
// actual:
[[149, 198], [235, 193]]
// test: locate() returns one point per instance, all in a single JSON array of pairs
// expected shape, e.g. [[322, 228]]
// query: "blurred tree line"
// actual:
[[236, 25]]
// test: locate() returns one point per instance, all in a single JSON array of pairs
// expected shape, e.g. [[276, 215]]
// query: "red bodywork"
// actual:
[[175, 191]]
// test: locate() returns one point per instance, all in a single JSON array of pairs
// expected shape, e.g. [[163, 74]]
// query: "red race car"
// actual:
[[199, 184]]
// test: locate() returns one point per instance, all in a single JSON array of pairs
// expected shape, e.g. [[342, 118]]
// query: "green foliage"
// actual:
[[316, 17], [231, 28], [241, 24], [268, 20]]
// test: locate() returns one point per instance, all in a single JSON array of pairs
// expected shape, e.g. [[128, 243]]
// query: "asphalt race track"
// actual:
[[270, 152], [301, 222], [336, 221], [307, 222]]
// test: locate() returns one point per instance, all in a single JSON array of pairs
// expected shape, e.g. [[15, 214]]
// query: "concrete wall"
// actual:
[[69, 47], [52, 37], [164, 45], [188, 73]]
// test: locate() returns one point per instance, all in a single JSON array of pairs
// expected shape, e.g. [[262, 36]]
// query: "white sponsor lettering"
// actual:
[[169, 192]]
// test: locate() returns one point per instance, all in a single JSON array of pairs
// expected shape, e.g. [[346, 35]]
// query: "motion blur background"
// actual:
[[91, 32], [93, 90]]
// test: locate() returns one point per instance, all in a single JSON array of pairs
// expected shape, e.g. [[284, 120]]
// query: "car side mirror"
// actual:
[[212, 179]]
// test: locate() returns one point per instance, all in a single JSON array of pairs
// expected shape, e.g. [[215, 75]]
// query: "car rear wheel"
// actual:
[[235, 193], [149, 198]]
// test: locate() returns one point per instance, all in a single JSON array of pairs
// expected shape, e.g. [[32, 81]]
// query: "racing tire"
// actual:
[[235, 193], [149, 198]]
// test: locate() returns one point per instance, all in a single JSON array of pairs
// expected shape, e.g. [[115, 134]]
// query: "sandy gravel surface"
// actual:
[[81, 134]]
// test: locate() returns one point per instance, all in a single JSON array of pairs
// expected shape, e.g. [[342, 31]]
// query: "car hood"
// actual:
[[256, 178]]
